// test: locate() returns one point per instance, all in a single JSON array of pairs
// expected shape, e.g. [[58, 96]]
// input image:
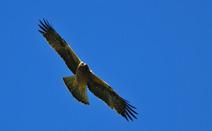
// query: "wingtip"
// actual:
[[44, 26], [129, 112]]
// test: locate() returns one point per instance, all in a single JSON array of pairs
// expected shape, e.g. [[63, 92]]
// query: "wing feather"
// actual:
[[60, 45], [102, 90]]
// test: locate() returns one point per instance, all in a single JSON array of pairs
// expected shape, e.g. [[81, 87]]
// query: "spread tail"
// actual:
[[77, 89]]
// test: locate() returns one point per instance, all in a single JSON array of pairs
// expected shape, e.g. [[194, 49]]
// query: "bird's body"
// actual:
[[77, 83], [83, 77], [82, 72]]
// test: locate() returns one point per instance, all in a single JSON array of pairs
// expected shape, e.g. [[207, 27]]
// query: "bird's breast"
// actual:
[[82, 74]]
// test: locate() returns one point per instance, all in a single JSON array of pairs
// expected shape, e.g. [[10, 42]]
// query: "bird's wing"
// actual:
[[102, 90], [60, 45]]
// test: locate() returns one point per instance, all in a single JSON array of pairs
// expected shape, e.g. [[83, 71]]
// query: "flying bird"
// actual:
[[83, 77]]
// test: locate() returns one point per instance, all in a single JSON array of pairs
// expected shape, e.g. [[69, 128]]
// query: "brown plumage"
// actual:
[[84, 77]]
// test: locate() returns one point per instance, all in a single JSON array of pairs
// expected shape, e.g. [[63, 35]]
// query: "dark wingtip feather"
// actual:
[[130, 109], [129, 112], [124, 115], [133, 115], [130, 105], [128, 115], [44, 26]]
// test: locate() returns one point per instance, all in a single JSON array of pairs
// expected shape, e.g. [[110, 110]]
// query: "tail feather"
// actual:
[[78, 90]]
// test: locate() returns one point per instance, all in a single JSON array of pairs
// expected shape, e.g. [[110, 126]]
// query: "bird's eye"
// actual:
[[83, 64]]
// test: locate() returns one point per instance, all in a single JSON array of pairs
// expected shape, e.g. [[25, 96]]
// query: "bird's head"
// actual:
[[84, 66]]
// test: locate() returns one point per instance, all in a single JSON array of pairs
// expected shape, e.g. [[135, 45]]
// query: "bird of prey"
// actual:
[[83, 77]]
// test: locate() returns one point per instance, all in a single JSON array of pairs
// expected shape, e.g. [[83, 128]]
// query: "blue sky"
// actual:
[[156, 54]]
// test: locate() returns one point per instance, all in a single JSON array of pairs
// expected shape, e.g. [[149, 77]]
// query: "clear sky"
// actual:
[[155, 53]]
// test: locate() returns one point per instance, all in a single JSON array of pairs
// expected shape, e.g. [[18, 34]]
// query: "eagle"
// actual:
[[83, 77]]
